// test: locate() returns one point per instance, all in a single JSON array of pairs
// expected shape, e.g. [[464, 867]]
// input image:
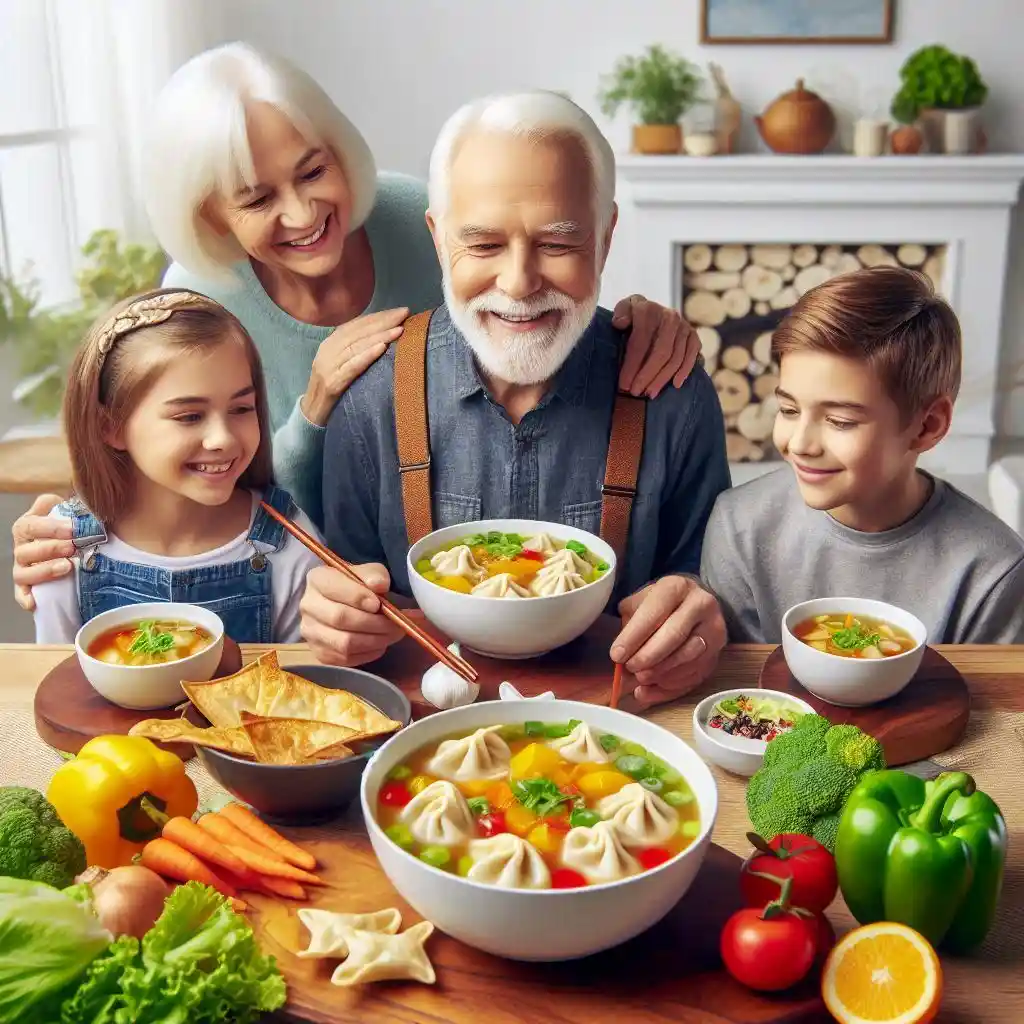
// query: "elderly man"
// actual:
[[520, 372]]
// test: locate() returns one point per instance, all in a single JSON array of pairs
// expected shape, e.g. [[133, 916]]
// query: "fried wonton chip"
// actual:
[[223, 700], [295, 740], [179, 730]]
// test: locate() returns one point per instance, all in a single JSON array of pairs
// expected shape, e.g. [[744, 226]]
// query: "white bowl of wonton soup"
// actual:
[[506, 900], [137, 656], [469, 581]]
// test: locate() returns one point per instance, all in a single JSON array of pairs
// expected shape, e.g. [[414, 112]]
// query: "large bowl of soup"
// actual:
[[539, 830], [852, 651], [511, 588], [137, 656]]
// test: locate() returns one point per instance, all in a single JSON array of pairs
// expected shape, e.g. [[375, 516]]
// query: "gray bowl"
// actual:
[[304, 794]]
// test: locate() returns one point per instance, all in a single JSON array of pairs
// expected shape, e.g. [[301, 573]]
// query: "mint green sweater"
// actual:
[[406, 273]]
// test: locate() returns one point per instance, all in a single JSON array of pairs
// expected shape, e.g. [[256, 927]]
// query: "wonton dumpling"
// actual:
[[541, 543], [328, 929], [502, 585], [581, 746], [598, 853], [545, 584], [481, 755], [641, 817], [567, 560], [458, 561], [379, 956], [439, 815], [509, 862]]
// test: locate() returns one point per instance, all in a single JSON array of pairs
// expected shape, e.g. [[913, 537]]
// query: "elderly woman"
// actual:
[[268, 200]]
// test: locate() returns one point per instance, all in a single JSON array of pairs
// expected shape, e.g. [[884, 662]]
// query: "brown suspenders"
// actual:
[[622, 466]]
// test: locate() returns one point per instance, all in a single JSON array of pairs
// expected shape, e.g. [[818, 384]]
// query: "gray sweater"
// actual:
[[954, 565]]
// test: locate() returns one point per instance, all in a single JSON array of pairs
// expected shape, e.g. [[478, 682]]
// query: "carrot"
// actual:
[[264, 865], [259, 830], [171, 861], [616, 686], [237, 905], [230, 835], [253, 882], [188, 835], [849, 621]]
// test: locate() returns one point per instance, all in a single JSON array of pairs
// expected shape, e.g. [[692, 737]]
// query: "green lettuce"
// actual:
[[47, 941], [199, 964]]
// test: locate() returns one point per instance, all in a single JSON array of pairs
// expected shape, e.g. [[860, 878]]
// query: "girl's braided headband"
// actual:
[[145, 313]]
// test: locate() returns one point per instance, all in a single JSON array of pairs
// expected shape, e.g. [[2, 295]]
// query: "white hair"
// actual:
[[536, 115], [198, 147]]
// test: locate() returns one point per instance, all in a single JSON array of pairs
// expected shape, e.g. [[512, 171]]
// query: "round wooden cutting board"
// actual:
[[926, 717], [670, 973], [69, 712]]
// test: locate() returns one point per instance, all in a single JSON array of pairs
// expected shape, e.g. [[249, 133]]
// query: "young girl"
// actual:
[[166, 417]]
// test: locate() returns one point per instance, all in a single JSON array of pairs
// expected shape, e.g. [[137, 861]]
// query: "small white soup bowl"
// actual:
[[510, 628], [852, 682], [548, 924], [147, 687]]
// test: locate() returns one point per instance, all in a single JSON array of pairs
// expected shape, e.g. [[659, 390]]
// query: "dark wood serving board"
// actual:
[[671, 973], [69, 712], [926, 717]]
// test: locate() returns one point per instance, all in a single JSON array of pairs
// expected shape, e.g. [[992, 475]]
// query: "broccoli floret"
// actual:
[[806, 777], [34, 843]]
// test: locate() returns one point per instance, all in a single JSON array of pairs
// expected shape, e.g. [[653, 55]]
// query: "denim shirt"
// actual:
[[550, 466]]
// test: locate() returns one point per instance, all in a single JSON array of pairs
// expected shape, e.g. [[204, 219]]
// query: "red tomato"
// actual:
[[653, 856], [491, 823], [811, 866], [394, 794], [768, 955], [566, 878], [534, 556], [826, 936]]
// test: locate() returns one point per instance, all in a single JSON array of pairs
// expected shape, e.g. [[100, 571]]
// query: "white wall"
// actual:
[[399, 67]]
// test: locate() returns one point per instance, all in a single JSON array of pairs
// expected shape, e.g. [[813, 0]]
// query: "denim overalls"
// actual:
[[239, 592]]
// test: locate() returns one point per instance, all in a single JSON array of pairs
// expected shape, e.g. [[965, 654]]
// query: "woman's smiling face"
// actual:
[[296, 216]]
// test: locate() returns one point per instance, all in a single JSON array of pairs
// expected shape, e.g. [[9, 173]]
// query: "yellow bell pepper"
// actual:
[[603, 783], [418, 783], [457, 583], [545, 838], [532, 761], [98, 793], [500, 796], [519, 820], [476, 787]]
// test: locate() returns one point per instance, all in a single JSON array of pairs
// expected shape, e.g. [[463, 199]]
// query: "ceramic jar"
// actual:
[[799, 121]]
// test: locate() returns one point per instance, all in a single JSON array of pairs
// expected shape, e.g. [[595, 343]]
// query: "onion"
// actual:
[[127, 900]]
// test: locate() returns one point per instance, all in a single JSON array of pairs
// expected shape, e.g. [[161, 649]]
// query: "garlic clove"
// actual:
[[506, 691], [445, 689]]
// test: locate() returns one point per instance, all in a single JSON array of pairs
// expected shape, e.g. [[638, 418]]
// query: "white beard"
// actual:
[[521, 357]]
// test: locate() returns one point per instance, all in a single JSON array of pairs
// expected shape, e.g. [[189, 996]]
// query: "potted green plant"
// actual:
[[46, 338], [945, 90], [907, 139], [659, 87]]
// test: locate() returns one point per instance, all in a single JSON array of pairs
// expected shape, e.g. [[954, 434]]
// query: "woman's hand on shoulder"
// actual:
[[344, 355], [42, 548], [662, 347]]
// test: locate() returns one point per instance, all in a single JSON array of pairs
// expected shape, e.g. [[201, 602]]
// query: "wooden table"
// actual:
[[981, 989]]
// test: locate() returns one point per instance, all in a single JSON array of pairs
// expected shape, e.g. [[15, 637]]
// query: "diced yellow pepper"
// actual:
[[519, 820], [563, 774], [587, 768], [602, 783], [545, 838], [459, 583], [418, 783], [500, 796], [478, 787], [534, 761]]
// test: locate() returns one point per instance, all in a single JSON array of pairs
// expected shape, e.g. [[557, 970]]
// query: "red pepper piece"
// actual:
[[491, 824], [533, 556], [394, 794], [652, 857], [566, 878]]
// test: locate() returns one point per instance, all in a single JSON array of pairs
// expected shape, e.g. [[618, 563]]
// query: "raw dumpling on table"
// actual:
[[381, 956], [598, 853], [545, 583], [641, 817], [327, 929], [439, 815], [481, 755], [458, 561], [501, 585], [509, 862], [581, 746]]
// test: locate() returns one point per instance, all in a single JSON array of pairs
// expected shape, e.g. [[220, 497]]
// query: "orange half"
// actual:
[[883, 973]]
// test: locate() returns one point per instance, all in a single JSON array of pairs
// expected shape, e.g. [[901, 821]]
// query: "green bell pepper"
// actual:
[[929, 855]]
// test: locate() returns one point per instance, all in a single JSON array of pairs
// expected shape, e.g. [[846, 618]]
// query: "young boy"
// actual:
[[869, 371]]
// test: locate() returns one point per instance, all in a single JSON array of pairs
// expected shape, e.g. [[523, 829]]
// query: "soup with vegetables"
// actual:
[[149, 642], [503, 565], [538, 806], [854, 636]]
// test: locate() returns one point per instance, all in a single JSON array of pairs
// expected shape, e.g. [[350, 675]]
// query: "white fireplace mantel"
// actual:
[[966, 202]]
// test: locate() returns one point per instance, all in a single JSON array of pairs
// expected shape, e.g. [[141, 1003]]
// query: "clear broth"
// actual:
[[854, 636], [149, 642]]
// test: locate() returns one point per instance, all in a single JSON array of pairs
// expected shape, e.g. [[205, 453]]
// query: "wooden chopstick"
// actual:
[[616, 686], [455, 662]]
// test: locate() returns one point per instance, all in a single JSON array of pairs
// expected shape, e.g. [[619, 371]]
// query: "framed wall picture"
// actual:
[[796, 21]]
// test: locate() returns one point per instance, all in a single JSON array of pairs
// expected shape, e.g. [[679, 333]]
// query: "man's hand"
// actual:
[[672, 634], [341, 622]]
